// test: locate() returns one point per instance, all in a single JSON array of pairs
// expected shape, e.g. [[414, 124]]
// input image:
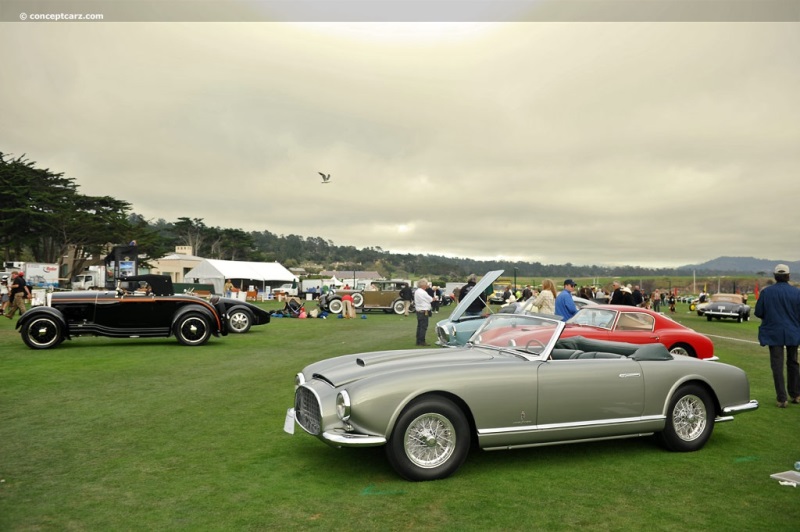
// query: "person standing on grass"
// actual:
[[565, 305], [407, 295], [19, 292], [778, 306], [422, 303], [349, 310]]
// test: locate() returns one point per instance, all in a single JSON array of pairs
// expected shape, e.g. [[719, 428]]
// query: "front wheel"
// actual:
[[399, 307], [430, 440], [42, 333], [239, 322], [690, 420], [336, 306], [709, 318], [192, 329]]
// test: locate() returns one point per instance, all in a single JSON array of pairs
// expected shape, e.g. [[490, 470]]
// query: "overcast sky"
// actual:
[[654, 144]]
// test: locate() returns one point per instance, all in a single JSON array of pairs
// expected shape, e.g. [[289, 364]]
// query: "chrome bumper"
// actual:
[[728, 412], [348, 439]]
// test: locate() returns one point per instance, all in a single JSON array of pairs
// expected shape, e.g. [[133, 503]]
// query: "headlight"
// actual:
[[299, 380], [343, 405]]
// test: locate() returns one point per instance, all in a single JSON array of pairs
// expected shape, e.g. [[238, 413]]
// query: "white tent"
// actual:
[[243, 274]]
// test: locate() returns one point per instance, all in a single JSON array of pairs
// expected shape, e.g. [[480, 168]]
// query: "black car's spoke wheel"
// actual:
[[42, 333], [399, 307], [336, 306], [239, 321], [683, 349], [192, 329], [690, 419], [358, 300], [430, 441]]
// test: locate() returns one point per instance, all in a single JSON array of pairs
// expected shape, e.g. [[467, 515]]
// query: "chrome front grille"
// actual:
[[307, 410]]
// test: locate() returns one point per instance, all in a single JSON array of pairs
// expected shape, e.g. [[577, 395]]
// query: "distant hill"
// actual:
[[741, 265]]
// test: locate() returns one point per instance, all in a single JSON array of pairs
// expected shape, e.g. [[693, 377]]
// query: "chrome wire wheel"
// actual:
[[689, 418], [430, 440]]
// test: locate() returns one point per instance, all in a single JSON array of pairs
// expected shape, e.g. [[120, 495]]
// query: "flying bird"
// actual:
[[325, 178]]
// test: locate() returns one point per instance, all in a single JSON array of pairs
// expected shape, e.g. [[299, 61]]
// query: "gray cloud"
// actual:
[[630, 143]]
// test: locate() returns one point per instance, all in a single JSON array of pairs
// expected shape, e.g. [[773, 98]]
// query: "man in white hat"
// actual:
[[778, 306]]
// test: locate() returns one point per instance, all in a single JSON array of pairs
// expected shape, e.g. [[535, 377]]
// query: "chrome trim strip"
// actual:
[[561, 426], [562, 442]]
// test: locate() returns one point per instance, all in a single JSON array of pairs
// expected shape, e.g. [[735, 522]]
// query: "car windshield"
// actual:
[[526, 334], [594, 317]]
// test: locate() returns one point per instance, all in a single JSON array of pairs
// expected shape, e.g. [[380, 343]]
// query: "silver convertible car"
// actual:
[[515, 384]]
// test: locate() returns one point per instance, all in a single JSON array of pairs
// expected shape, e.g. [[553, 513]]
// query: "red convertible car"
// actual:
[[638, 326]]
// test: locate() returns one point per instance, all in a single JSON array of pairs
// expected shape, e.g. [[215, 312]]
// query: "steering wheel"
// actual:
[[535, 343]]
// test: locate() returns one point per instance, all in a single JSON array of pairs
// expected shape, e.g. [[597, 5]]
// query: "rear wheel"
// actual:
[[240, 321], [690, 419], [430, 440], [336, 306], [399, 307], [42, 333], [709, 318], [192, 329], [358, 300], [682, 349]]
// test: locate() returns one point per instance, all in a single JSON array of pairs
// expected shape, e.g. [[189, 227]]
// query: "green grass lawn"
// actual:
[[104, 434]]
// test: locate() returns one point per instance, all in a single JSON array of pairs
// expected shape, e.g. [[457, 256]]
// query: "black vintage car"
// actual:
[[143, 306], [726, 306]]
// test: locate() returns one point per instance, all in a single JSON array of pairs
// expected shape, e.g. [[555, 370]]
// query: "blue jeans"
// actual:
[[422, 325]]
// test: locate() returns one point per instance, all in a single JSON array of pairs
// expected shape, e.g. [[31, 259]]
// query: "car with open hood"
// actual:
[[517, 383], [143, 306], [457, 328], [725, 306]]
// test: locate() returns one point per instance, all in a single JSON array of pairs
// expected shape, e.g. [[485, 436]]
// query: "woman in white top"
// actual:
[[546, 300]]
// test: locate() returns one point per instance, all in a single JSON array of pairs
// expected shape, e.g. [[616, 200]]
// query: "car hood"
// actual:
[[485, 282], [344, 370]]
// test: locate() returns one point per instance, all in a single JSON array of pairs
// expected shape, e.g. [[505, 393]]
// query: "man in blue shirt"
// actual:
[[778, 306], [565, 306]]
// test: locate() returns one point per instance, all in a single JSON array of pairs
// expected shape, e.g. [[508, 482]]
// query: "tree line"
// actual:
[[44, 218]]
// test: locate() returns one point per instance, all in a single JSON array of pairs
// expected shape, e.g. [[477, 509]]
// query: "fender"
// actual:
[[216, 320], [50, 311], [257, 320]]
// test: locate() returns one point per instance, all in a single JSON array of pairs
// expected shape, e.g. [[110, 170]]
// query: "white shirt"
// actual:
[[422, 300]]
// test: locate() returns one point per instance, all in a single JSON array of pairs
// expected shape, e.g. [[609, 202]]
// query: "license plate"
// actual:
[[288, 423]]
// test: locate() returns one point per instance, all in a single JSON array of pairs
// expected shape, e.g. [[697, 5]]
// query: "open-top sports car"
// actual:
[[517, 383], [725, 306], [145, 307]]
